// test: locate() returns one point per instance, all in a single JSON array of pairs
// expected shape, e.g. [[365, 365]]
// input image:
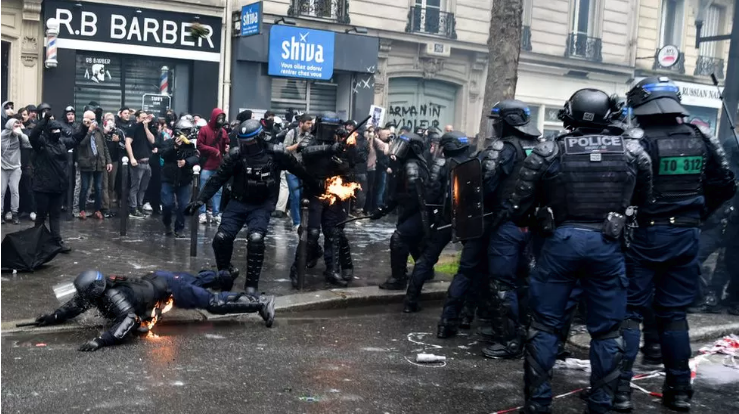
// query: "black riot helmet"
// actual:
[[655, 96], [251, 136], [512, 117], [325, 126], [589, 108], [405, 145], [184, 127], [90, 284], [434, 134], [454, 143]]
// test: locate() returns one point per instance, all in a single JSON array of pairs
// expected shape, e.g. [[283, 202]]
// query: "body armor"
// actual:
[[523, 147], [254, 178], [595, 178], [678, 160]]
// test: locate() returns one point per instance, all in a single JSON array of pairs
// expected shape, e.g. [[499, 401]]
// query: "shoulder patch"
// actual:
[[635, 133], [545, 149], [498, 145]]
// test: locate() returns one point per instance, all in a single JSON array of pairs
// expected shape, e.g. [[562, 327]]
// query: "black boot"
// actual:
[[413, 294], [334, 278], [254, 260], [398, 279], [294, 275], [467, 315], [446, 329], [564, 336], [223, 246], [65, 247], [345, 257], [222, 304], [651, 353], [314, 249], [677, 397], [622, 398]]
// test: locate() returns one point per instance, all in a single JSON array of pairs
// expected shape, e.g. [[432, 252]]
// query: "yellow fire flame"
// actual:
[[156, 313], [336, 189], [352, 140]]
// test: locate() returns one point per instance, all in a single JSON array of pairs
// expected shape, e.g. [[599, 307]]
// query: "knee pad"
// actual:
[[396, 240], [222, 239], [314, 234], [255, 241], [664, 325]]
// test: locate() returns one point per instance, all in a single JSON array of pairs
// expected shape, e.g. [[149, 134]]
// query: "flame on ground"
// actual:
[[336, 189], [159, 310]]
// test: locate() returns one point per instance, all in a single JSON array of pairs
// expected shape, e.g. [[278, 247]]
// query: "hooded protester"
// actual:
[[51, 171], [93, 161], [12, 140], [213, 145], [8, 111], [178, 157]]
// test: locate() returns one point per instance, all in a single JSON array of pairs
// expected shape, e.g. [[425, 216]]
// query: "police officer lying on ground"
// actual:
[[582, 186], [129, 302], [255, 166]]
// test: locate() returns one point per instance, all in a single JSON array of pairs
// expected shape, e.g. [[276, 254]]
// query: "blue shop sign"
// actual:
[[251, 19], [297, 52]]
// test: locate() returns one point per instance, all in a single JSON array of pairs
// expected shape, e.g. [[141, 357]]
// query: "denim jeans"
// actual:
[[168, 194], [216, 200], [293, 183], [380, 182], [97, 177]]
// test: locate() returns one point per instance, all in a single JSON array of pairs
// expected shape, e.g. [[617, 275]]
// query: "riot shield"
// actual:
[[467, 206]]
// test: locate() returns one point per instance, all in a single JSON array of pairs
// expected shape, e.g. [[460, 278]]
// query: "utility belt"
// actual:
[[612, 227], [670, 221]]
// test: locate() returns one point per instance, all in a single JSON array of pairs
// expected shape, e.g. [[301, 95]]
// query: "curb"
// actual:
[[698, 334], [308, 301]]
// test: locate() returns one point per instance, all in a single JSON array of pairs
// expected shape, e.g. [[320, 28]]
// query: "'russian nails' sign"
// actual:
[[298, 52]]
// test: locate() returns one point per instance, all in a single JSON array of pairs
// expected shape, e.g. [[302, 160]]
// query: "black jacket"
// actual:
[[362, 154], [50, 165], [170, 154]]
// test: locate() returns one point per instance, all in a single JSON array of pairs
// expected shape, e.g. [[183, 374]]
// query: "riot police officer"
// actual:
[[255, 167], [408, 196], [513, 136], [691, 180], [326, 155], [582, 186], [454, 146]]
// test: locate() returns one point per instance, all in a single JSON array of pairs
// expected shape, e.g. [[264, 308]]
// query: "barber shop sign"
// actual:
[[104, 28]]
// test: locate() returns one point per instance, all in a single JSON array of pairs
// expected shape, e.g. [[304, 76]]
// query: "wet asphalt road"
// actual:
[[98, 245], [353, 361]]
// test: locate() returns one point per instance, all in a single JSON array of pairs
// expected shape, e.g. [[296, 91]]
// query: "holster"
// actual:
[[545, 221], [613, 226]]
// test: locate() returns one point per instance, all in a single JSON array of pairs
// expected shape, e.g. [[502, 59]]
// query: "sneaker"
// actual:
[[142, 212], [15, 219], [147, 207], [98, 215], [32, 216], [8, 216], [109, 214], [82, 215], [217, 219], [202, 218], [134, 213]]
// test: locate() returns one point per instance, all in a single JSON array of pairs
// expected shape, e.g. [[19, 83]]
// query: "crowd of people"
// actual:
[[606, 215]]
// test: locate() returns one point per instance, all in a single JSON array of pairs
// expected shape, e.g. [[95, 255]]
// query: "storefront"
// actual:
[[703, 102], [21, 59], [127, 56], [303, 69], [424, 103]]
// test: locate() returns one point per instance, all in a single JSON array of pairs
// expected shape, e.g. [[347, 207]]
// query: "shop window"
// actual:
[[303, 96], [114, 81], [707, 117], [671, 31]]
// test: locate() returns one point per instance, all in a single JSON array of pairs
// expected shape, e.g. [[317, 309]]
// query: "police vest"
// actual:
[[595, 178], [143, 294], [255, 181], [506, 187], [678, 160]]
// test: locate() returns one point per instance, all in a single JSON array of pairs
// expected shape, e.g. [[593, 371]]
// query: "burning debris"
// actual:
[[156, 313], [352, 140], [337, 189]]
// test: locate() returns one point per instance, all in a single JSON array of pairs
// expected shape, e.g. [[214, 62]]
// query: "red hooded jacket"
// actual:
[[211, 144]]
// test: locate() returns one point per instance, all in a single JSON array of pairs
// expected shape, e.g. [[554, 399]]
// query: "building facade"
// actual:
[[22, 48], [669, 25]]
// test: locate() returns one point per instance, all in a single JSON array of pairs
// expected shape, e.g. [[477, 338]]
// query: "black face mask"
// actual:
[[54, 136]]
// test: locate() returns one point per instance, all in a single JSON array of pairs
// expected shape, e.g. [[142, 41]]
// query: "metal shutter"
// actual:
[[288, 93], [322, 97], [142, 76], [98, 78]]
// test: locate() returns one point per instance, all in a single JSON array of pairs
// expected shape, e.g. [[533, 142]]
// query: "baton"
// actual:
[[726, 110], [352, 219], [21, 325], [446, 226]]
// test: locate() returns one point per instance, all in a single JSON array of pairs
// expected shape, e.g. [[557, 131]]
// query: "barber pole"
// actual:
[[164, 81], [52, 30]]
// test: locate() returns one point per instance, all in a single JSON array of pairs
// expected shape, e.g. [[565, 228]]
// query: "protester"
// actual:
[[8, 111], [139, 144], [12, 140], [51, 170], [114, 141], [152, 198], [178, 155], [375, 145], [213, 144], [382, 167], [360, 172], [93, 161], [292, 140]]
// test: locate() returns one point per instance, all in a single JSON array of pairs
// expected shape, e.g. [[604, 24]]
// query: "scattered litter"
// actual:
[[309, 399], [728, 345], [420, 335], [573, 363], [282, 280], [430, 358], [334, 390], [40, 344], [214, 336], [427, 365], [178, 383]]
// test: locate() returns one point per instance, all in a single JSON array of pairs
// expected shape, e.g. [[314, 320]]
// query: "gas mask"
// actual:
[[221, 121], [55, 134]]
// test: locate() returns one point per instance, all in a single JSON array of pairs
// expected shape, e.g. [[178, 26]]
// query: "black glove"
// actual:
[[338, 147], [45, 320], [378, 214], [193, 207], [91, 346]]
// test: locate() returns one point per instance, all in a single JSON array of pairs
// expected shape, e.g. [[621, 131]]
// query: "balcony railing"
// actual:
[[335, 10], [431, 21], [526, 38], [580, 45], [678, 67], [706, 65]]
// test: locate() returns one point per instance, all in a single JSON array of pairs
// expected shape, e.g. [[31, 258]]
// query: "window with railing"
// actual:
[[582, 41], [671, 27], [337, 10], [710, 55], [426, 16], [526, 29]]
